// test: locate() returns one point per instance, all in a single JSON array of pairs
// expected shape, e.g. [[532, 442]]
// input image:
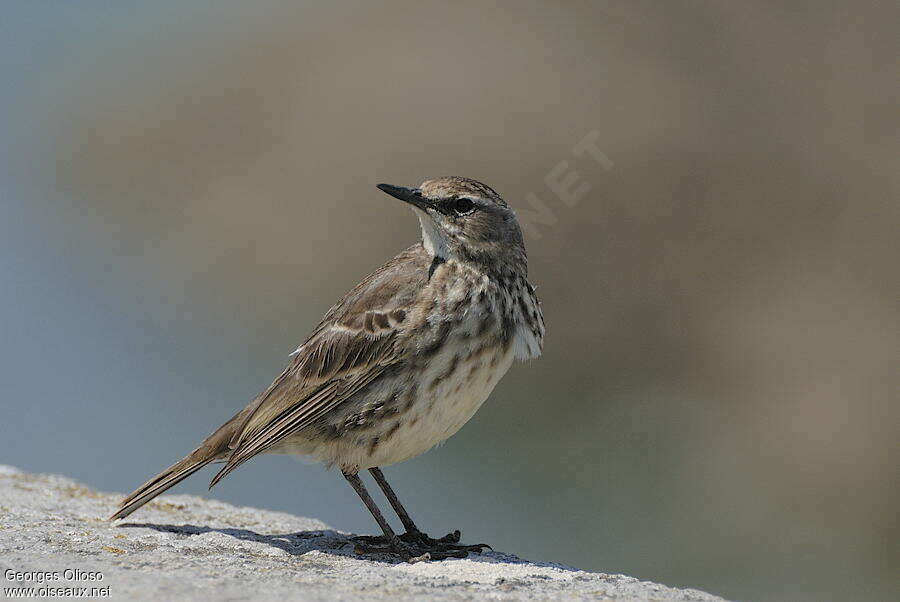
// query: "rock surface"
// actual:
[[183, 547]]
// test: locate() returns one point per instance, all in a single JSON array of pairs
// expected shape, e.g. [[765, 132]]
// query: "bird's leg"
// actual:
[[445, 545], [408, 523], [390, 537]]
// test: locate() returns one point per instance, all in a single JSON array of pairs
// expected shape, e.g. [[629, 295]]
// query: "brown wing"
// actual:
[[352, 346]]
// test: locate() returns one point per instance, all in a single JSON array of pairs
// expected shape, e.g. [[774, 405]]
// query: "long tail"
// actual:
[[215, 447]]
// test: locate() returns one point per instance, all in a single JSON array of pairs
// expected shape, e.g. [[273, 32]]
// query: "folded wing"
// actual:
[[359, 338]]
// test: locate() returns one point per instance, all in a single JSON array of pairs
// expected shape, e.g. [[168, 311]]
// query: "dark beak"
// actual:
[[413, 196]]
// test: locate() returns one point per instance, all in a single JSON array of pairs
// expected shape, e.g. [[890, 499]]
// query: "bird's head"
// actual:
[[464, 219]]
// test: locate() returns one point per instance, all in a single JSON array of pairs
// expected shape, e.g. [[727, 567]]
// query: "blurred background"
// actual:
[[185, 187]]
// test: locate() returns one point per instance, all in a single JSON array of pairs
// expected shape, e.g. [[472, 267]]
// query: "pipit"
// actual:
[[399, 364]]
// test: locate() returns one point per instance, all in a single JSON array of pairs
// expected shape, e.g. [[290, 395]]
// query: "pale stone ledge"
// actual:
[[182, 547]]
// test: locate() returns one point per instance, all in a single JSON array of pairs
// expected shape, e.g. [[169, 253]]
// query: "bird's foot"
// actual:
[[415, 546]]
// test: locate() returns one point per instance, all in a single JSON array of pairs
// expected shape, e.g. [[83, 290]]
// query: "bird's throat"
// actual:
[[433, 238]]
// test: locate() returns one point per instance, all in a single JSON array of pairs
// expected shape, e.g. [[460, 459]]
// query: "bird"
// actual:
[[398, 365]]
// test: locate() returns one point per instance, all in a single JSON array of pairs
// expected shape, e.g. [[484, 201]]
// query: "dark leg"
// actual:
[[389, 535], [446, 546], [408, 523]]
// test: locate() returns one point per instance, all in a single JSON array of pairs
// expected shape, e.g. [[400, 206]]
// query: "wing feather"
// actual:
[[352, 346]]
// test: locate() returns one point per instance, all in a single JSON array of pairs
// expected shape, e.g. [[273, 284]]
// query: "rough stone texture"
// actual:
[[183, 547]]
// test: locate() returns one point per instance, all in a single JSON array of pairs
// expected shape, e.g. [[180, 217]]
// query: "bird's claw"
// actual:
[[424, 548]]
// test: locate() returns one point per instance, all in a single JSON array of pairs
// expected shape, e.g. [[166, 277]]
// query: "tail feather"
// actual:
[[155, 486], [215, 447]]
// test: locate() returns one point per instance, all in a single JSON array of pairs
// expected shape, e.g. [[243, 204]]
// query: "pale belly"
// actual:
[[438, 413], [443, 411]]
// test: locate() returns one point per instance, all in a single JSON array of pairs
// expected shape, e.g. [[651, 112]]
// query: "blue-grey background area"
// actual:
[[185, 187]]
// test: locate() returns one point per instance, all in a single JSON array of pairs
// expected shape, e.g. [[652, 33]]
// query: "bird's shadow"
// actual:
[[327, 541], [296, 544]]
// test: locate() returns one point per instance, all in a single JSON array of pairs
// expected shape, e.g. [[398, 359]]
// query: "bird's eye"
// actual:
[[463, 206]]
